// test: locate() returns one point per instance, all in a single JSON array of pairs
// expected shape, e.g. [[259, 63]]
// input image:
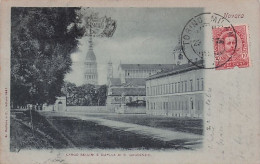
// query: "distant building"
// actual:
[[130, 86], [109, 70], [177, 92], [91, 74], [178, 56], [123, 93], [130, 71]]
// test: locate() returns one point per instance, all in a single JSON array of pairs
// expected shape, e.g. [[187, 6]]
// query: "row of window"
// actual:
[[139, 73], [129, 99], [177, 87], [175, 105], [90, 76]]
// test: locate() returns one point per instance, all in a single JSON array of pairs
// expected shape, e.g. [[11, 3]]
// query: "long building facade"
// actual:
[[178, 92]]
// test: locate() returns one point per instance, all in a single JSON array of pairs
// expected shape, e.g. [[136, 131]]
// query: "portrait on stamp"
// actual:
[[231, 47]]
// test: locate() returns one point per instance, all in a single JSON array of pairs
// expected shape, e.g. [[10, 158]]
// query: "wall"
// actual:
[[89, 109], [48, 108], [60, 105], [131, 110]]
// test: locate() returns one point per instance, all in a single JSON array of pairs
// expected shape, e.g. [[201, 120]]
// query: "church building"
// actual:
[[129, 87], [91, 74], [168, 89]]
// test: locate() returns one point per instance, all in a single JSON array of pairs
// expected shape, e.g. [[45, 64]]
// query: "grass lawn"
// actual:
[[87, 134], [41, 136], [81, 133], [190, 125], [22, 137]]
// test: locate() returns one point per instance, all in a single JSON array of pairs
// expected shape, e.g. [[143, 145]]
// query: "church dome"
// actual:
[[91, 55]]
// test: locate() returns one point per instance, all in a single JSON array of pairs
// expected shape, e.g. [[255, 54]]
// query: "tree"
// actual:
[[85, 95], [70, 91], [101, 95], [88, 94], [42, 40]]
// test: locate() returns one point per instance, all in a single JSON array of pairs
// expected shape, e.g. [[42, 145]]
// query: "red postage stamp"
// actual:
[[231, 47]]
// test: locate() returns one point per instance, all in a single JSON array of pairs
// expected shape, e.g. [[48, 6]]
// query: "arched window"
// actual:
[[185, 87], [191, 103], [198, 84], [202, 84], [191, 85]]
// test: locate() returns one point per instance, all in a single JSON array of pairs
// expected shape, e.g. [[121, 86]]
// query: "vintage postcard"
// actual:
[[129, 81]]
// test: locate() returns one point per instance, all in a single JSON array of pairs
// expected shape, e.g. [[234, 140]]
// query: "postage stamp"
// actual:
[[231, 49], [197, 41]]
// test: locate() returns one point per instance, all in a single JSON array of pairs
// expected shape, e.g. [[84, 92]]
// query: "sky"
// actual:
[[142, 36]]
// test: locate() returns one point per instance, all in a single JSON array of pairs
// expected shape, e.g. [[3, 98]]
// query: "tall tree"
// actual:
[[101, 95], [42, 40], [85, 95]]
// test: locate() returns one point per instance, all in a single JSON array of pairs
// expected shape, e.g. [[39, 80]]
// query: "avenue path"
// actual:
[[192, 140]]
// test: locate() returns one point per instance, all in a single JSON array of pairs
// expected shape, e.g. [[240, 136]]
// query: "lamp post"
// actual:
[[191, 101]]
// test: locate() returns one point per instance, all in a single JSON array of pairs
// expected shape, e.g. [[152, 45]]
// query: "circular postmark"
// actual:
[[202, 37]]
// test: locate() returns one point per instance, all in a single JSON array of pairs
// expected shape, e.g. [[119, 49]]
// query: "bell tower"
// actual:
[[91, 75], [178, 56], [109, 70]]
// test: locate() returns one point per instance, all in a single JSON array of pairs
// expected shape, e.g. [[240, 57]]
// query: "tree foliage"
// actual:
[[42, 40], [85, 95], [101, 95]]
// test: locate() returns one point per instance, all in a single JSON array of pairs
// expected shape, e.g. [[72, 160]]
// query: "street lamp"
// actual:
[[191, 101]]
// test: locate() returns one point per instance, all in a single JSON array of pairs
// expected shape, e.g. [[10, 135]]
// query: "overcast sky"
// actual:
[[143, 35]]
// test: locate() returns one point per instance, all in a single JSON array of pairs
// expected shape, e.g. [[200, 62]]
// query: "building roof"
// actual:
[[135, 81], [127, 91], [115, 81], [91, 55], [146, 66], [128, 82], [178, 69]]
